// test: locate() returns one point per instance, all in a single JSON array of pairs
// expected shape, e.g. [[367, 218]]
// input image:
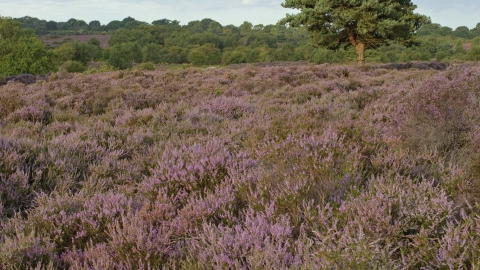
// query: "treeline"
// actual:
[[207, 42], [72, 26]]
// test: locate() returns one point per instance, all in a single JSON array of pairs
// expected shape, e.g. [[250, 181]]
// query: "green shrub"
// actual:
[[146, 66], [103, 68], [73, 66]]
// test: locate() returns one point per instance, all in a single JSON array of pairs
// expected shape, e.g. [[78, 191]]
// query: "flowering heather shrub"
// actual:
[[38, 112], [230, 108], [19, 171], [15, 192], [307, 168], [10, 100], [190, 169], [265, 166], [438, 111], [194, 172], [395, 224], [21, 78], [459, 248], [68, 222], [418, 65], [260, 242]]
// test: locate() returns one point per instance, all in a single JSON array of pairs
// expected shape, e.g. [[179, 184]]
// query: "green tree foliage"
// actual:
[[360, 24], [165, 22], [94, 44], [113, 25], [474, 53], [84, 52], [64, 53], [414, 54], [215, 28], [141, 35], [260, 54], [246, 28], [152, 53], [72, 22], [195, 27], [476, 41], [461, 32], [51, 25], [95, 26], [130, 23], [206, 54], [79, 51], [94, 41], [460, 51], [38, 26], [207, 42], [322, 55], [21, 51], [231, 39], [285, 52], [475, 32], [124, 55], [80, 24], [434, 29], [235, 55], [62, 26], [445, 31], [174, 55], [73, 66], [428, 29]]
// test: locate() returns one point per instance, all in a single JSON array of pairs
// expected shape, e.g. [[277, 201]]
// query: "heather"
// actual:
[[267, 166]]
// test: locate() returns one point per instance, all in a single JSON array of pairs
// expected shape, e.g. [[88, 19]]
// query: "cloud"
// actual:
[[452, 13], [438, 6], [225, 11], [443, 5]]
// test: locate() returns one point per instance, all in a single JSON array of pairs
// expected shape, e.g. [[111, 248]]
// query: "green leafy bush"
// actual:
[[146, 66], [73, 66]]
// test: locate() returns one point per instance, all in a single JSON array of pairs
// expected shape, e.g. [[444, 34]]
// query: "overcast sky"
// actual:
[[452, 13]]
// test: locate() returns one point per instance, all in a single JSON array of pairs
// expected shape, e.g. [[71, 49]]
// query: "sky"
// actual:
[[451, 13]]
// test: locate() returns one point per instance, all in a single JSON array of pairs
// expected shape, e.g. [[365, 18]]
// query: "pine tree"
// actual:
[[362, 24]]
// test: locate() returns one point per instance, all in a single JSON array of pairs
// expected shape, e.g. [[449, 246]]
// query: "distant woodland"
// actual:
[[78, 46]]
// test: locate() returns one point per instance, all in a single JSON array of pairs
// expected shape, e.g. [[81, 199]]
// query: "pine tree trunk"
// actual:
[[360, 49]]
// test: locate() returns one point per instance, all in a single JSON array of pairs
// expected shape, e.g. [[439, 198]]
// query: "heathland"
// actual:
[[251, 166]]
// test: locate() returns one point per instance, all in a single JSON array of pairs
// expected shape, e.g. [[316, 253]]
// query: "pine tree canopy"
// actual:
[[363, 24]]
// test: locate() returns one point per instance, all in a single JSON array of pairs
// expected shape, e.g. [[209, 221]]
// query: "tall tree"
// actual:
[[166, 22], [461, 32], [475, 32], [94, 25], [72, 22], [113, 25], [362, 24], [51, 25]]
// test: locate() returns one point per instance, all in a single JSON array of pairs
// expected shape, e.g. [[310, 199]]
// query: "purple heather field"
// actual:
[[255, 166]]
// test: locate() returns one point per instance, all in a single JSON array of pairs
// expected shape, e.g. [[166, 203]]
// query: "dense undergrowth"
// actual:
[[292, 166]]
